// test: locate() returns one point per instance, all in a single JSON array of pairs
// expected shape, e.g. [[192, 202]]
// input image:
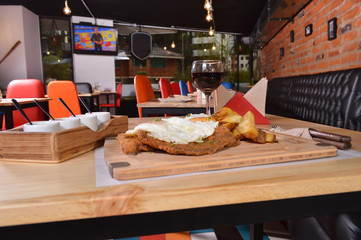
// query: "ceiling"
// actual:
[[231, 16]]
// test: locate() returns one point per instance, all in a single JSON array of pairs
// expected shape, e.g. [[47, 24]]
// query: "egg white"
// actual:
[[178, 130]]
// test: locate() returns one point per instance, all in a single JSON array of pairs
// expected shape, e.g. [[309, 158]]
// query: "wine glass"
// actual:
[[207, 76]]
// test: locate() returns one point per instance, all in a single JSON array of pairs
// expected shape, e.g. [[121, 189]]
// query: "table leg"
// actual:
[[256, 231], [9, 121]]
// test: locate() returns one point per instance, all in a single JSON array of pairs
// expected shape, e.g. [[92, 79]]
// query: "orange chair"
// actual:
[[143, 91], [165, 88], [190, 87], [68, 92], [176, 88], [116, 100], [26, 88]]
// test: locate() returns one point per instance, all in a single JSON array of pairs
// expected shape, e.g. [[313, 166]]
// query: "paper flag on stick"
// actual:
[[240, 105], [257, 95]]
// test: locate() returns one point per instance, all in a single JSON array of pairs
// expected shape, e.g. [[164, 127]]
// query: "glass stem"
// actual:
[[208, 103]]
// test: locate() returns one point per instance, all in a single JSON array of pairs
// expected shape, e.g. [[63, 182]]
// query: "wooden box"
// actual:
[[56, 147]]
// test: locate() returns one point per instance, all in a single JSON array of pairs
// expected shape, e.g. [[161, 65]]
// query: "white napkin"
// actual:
[[257, 95], [298, 132]]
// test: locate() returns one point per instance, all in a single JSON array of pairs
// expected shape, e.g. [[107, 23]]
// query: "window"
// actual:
[[139, 63], [159, 62], [56, 49]]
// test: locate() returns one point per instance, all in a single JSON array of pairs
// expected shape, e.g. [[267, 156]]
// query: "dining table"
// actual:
[[180, 106], [63, 201], [91, 99], [7, 107]]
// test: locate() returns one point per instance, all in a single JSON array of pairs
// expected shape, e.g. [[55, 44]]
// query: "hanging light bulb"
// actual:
[[165, 48], [209, 16], [211, 32], [208, 5], [173, 45], [66, 9], [213, 47]]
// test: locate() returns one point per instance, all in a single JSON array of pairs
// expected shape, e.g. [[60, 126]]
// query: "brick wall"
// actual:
[[315, 53]]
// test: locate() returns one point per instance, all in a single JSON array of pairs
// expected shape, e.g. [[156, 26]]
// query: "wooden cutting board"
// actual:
[[153, 164]]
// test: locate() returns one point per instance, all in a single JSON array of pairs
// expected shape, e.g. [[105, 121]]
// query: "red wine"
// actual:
[[207, 82]]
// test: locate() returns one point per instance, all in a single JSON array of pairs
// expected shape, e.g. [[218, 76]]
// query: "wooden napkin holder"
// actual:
[[56, 147]]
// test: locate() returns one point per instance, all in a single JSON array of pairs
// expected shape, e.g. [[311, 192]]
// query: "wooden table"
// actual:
[[176, 108], [7, 106], [62, 201], [89, 99]]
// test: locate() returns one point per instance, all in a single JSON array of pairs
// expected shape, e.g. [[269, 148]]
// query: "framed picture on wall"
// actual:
[[308, 30], [292, 36], [332, 29]]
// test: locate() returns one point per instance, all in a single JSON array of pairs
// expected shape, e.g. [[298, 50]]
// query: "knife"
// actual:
[[339, 145], [329, 136]]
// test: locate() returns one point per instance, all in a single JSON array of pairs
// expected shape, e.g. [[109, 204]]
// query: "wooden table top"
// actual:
[[159, 104], [8, 102], [35, 193]]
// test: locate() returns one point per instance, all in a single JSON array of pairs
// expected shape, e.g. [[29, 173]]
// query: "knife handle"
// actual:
[[339, 145], [329, 136]]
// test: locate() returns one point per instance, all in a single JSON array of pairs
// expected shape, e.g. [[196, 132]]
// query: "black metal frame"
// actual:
[[254, 213]]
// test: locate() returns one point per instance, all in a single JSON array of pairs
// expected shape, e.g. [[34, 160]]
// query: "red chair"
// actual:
[[176, 88], [190, 87], [26, 88], [143, 91], [68, 92], [117, 99], [165, 88]]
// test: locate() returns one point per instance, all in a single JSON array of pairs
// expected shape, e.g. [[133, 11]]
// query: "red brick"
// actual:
[[323, 64], [350, 36], [334, 62], [345, 6], [349, 58], [350, 47], [333, 53], [352, 13]]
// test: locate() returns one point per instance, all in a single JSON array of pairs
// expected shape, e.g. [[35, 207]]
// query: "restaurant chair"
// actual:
[[116, 102], [165, 88], [26, 88], [176, 88], [227, 85], [68, 92], [84, 87], [143, 91], [183, 88], [190, 86]]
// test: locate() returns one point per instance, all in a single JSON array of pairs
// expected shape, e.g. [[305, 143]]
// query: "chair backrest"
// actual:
[[84, 87], [165, 87], [68, 92], [26, 88], [183, 88], [119, 93], [227, 85], [143, 90], [190, 86], [175, 88]]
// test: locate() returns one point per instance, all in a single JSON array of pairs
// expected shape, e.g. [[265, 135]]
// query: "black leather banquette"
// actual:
[[331, 98]]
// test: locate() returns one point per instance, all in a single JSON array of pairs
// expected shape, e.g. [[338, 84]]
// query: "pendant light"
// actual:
[[66, 9]]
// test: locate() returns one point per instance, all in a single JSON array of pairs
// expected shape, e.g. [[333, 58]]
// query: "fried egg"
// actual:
[[178, 130]]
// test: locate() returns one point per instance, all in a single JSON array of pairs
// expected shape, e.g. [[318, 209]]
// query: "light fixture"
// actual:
[[208, 5], [173, 45], [211, 32], [66, 9], [209, 16], [213, 47], [165, 48]]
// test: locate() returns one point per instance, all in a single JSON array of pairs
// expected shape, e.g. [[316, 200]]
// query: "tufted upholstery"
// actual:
[[332, 98]]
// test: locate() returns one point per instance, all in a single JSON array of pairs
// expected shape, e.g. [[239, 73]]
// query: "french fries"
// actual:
[[242, 127]]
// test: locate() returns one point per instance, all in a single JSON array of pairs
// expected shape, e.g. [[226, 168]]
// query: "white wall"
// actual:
[[94, 68], [18, 23]]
